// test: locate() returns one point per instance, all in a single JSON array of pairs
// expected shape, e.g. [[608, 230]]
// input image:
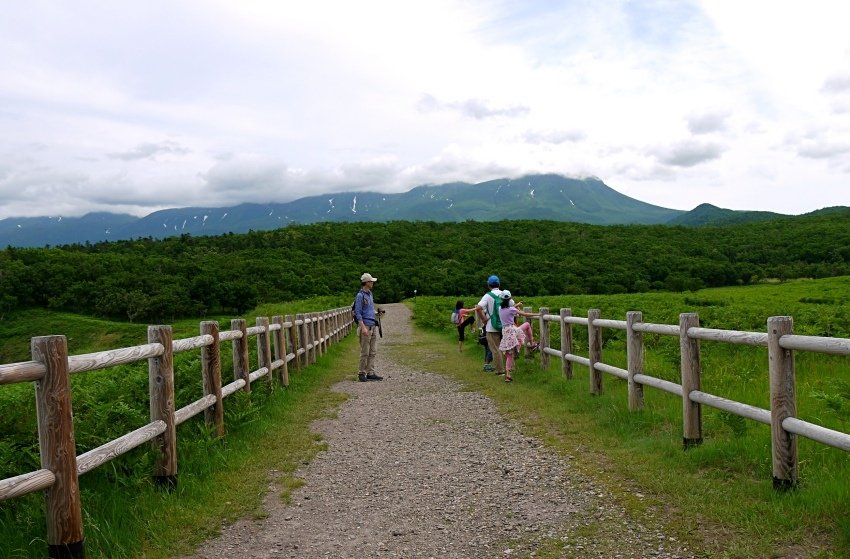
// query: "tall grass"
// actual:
[[125, 515], [721, 492]]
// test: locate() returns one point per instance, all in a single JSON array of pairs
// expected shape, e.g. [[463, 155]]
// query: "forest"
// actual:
[[162, 280]]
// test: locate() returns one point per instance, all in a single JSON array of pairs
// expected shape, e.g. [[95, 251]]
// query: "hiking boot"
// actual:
[[373, 376], [488, 368], [361, 377]]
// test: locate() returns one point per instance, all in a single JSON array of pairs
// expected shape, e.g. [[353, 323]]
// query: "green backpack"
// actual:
[[495, 320]]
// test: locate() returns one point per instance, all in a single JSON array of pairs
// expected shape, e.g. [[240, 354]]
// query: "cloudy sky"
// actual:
[[133, 106]]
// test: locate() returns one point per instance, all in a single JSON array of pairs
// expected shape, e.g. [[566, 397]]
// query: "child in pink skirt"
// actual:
[[513, 337]]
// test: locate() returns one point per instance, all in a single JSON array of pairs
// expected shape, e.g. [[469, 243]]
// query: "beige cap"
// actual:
[[367, 277]]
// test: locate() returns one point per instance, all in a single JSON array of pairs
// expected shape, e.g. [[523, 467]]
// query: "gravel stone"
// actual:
[[417, 467]]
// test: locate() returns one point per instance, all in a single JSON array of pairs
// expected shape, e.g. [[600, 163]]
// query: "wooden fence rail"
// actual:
[[779, 340], [296, 340]]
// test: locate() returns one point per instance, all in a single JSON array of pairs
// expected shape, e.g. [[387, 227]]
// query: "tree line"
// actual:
[[160, 280]]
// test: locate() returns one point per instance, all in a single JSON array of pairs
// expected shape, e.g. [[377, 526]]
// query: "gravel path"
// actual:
[[416, 467]]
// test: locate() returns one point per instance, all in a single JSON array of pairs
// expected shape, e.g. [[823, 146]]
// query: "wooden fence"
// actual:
[[298, 340], [780, 341]]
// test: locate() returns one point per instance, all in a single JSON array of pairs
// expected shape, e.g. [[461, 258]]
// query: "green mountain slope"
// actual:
[[551, 197], [706, 214]]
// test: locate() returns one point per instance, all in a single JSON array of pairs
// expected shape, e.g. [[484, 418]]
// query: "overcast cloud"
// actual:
[[137, 106]]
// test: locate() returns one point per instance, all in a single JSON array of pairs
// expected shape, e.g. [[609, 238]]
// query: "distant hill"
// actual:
[[548, 197], [706, 214]]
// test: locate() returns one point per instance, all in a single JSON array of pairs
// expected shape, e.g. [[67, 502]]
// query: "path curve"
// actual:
[[417, 467]]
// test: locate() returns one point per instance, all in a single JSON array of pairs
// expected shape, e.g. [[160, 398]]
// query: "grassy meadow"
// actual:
[[719, 494], [124, 514]]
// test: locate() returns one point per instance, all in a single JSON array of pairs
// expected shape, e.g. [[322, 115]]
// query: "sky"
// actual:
[[134, 106]]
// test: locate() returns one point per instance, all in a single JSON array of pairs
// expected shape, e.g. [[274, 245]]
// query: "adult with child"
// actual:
[[367, 322], [460, 320], [487, 310], [513, 337]]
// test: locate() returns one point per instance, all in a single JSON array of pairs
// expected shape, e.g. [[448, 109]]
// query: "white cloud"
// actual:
[[707, 123], [689, 153], [140, 106], [149, 151]]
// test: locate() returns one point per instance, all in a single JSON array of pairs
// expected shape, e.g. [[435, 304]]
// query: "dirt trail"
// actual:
[[416, 467]]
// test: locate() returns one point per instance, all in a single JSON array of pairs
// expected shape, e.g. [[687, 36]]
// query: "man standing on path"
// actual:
[[485, 309], [367, 320]]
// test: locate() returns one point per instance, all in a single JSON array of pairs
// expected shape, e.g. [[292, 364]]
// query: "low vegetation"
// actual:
[[147, 280], [124, 513], [718, 495]]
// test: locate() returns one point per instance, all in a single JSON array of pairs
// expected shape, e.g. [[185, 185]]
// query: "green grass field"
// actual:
[[718, 496], [722, 488], [124, 514]]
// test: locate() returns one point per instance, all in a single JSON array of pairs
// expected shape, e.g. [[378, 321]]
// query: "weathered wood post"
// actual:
[[783, 403], [293, 340], [280, 350], [309, 341], [340, 324], [57, 448], [690, 368], [337, 314], [304, 359], [330, 321], [544, 338], [337, 326], [241, 367], [264, 349], [327, 330], [320, 333], [316, 335], [161, 385], [634, 350], [566, 343], [594, 351], [211, 373]]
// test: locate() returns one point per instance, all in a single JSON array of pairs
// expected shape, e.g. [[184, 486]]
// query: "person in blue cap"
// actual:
[[487, 310]]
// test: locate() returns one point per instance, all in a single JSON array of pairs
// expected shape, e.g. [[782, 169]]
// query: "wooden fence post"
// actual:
[[264, 349], [327, 329], [293, 339], [211, 372], [316, 335], [280, 350], [340, 324], [161, 385], [594, 351], [320, 333], [566, 343], [58, 448], [241, 367], [782, 403], [690, 369], [634, 350], [544, 338], [337, 326], [309, 342], [302, 339]]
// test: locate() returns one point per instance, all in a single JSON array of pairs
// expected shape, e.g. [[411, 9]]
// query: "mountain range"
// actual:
[[549, 197]]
